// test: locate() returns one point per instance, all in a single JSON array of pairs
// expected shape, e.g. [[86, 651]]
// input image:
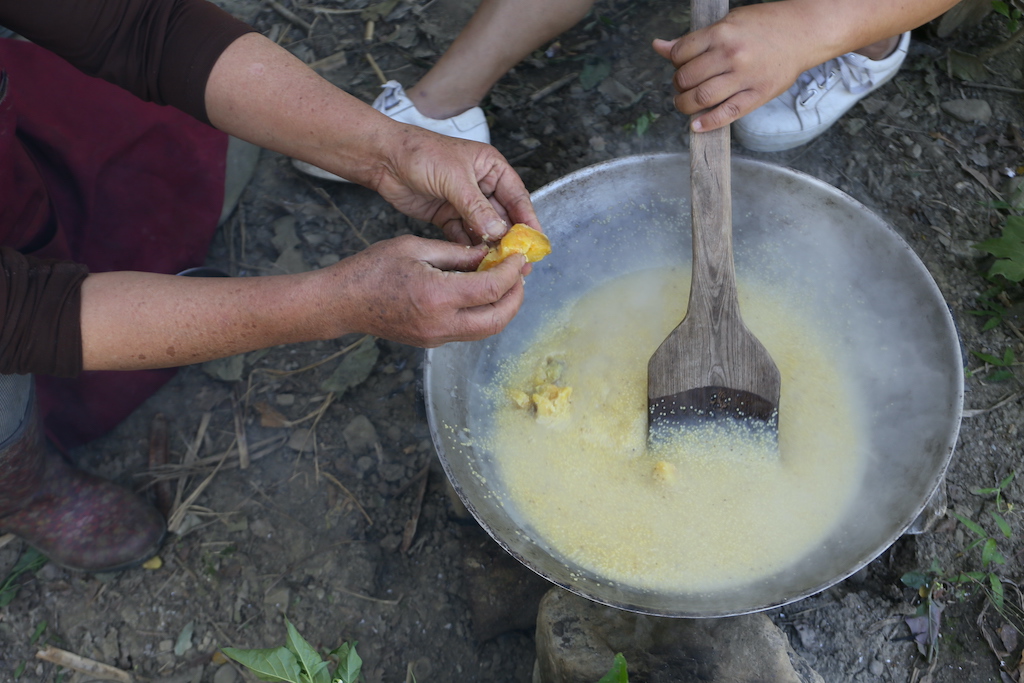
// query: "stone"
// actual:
[[392, 472], [615, 91], [276, 601], [876, 667], [110, 646], [968, 111], [302, 440], [577, 640], [1014, 192], [504, 595], [364, 464], [360, 435], [225, 674], [853, 125]]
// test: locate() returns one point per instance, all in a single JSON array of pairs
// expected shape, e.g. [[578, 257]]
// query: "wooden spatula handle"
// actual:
[[714, 283]]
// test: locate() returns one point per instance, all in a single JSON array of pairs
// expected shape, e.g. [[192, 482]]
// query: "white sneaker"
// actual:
[[818, 99], [395, 104]]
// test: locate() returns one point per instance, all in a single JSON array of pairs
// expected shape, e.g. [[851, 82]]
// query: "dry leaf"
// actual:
[[270, 417]]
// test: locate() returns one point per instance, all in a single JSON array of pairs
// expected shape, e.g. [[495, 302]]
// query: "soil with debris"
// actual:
[[342, 521]]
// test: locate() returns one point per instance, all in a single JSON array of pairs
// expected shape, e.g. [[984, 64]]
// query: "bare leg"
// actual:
[[881, 49], [500, 34]]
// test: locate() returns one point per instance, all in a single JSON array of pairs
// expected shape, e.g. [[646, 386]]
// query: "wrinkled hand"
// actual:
[[737, 64], [465, 188], [419, 291]]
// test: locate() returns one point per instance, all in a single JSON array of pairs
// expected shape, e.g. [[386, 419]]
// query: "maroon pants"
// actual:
[[90, 173]]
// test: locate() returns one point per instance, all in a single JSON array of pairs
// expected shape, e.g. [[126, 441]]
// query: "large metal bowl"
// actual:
[[890, 321]]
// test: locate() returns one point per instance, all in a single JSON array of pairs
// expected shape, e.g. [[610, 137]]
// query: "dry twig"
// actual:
[[263, 448], [409, 533], [290, 15], [376, 68], [178, 516], [552, 87], [981, 411], [238, 410], [158, 457], [70, 660], [331, 478], [287, 373]]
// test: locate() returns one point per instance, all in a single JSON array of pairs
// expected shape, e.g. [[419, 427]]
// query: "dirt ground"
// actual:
[[342, 521]]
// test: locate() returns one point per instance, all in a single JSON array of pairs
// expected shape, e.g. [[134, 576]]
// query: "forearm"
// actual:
[[407, 289], [133, 320], [260, 92], [829, 28]]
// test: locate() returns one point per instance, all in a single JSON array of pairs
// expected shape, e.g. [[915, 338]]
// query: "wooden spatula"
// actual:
[[711, 367]]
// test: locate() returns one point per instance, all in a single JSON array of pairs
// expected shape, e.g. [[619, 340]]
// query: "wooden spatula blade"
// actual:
[[711, 368], [732, 377]]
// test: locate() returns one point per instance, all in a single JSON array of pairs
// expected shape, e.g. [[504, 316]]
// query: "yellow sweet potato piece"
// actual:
[[520, 239], [552, 400], [664, 472], [520, 398]]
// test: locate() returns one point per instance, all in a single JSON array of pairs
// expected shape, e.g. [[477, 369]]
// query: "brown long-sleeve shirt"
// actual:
[[160, 50]]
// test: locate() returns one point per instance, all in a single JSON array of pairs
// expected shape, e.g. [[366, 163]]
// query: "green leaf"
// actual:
[[972, 525], [965, 66], [354, 368], [1001, 522], [184, 642], [1006, 481], [30, 561], [992, 323], [988, 358], [969, 577], [594, 72], [349, 663], [38, 632], [1000, 376], [915, 580], [1009, 249], [998, 596], [618, 673], [309, 660], [273, 664], [990, 554], [644, 122]]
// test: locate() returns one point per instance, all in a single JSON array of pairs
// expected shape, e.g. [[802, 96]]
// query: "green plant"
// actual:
[[1012, 14], [936, 587], [990, 307], [642, 123], [30, 561], [1005, 364], [617, 674], [1008, 250], [298, 662], [40, 628]]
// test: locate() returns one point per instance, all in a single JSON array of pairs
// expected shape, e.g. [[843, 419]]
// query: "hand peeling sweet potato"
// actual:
[[520, 239]]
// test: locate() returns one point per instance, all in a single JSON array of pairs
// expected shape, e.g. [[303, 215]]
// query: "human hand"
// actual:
[[420, 292], [737, 64], [465, 188]]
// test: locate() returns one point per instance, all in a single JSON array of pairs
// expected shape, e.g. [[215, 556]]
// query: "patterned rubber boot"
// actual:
[[77, 520]]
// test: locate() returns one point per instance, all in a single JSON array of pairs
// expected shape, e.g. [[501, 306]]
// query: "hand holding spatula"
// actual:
[[711, 368]]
